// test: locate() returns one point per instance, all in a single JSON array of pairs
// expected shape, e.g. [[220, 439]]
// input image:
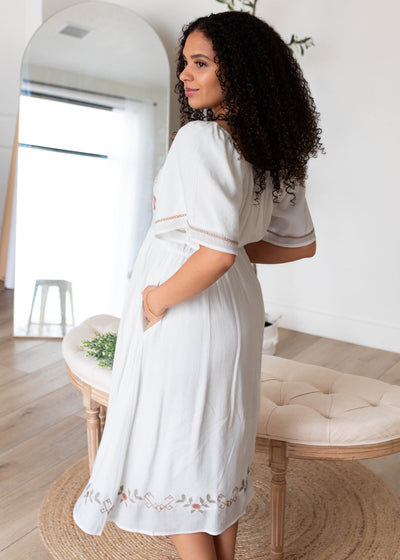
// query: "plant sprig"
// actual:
[[295, 43], [301, 44], [246, 3], [101, 347]]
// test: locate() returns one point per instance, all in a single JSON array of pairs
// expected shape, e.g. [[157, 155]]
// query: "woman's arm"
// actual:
[[205, 266], [196, 274], [266, 253]]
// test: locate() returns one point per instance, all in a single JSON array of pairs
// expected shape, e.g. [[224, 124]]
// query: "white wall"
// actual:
[[19, 19], [349, 290]]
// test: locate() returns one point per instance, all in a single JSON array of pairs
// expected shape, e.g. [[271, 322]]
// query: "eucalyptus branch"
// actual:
[[295, 43], [246, 3], [300, 44]]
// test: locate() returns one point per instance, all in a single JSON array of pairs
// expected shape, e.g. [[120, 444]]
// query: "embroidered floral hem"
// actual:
[[200, 504]]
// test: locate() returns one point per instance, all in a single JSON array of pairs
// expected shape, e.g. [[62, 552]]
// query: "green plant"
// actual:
[[246, 3], [101, 347], [300, 44]]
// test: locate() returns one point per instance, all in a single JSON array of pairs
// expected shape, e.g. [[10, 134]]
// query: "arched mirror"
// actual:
[[93, 133]]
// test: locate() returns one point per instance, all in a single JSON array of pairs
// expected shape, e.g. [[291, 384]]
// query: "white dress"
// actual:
[[177, 451]]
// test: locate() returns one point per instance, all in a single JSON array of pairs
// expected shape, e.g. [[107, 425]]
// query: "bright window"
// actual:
[[75, 201]]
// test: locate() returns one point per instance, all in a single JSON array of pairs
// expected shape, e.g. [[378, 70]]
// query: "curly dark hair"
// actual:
[[267, 101]]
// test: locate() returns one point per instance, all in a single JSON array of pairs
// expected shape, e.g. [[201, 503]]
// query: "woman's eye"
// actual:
[[198, 63]]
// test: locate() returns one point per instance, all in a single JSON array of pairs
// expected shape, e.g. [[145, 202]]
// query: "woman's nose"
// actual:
[[184, 75]]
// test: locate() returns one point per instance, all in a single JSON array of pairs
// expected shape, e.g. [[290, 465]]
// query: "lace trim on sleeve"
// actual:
[[212, 234], [195, 234], [170, 218], [288, 240], [291, 236]]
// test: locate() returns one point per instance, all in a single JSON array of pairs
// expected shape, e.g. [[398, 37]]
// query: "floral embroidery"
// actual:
[[128, 496], [89, 495], [201, 505]]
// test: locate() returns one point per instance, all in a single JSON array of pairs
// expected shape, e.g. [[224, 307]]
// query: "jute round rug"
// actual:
[[335, 510]]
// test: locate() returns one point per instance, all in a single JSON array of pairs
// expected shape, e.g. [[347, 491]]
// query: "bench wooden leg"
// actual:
[[278, 464], [92, 424], [93, 432]]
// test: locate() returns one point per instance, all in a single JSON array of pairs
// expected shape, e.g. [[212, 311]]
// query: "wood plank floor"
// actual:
[[42, 421]]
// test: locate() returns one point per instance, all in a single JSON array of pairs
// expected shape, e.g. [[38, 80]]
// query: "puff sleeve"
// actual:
[[212, 186], [291, 224]]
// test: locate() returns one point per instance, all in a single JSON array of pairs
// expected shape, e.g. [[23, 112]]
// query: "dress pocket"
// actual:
[[145, 330]]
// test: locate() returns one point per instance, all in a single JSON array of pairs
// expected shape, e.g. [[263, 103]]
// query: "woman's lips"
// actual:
[[189, 92]]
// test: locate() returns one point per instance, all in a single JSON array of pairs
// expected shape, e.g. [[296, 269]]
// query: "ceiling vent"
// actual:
[[74, 31]]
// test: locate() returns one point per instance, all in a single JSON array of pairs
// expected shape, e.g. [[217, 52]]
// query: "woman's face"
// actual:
[[202, 87]]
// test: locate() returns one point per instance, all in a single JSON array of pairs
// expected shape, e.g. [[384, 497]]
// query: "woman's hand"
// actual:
[[151, 308], [196, 274]]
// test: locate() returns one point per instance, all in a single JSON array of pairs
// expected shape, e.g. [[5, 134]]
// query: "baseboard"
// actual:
[[348, 329]]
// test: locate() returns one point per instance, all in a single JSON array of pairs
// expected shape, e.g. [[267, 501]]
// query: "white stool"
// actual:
[[64, 288]]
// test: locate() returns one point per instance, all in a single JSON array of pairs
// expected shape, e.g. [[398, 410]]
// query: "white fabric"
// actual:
[[178, 446], [314, 405], [291, 224], [206, 170]]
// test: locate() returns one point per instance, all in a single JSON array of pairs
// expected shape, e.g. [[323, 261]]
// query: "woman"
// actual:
[[177, 451]]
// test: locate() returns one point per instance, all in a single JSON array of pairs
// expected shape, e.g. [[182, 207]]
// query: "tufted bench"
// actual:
[[306, 412], [312, 412]]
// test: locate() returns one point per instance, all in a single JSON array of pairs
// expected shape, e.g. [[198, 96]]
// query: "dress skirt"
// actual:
[[177, 451]]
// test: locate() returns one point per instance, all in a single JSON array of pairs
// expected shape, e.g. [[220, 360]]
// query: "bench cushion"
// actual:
[[314, 405], [300, 403]]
